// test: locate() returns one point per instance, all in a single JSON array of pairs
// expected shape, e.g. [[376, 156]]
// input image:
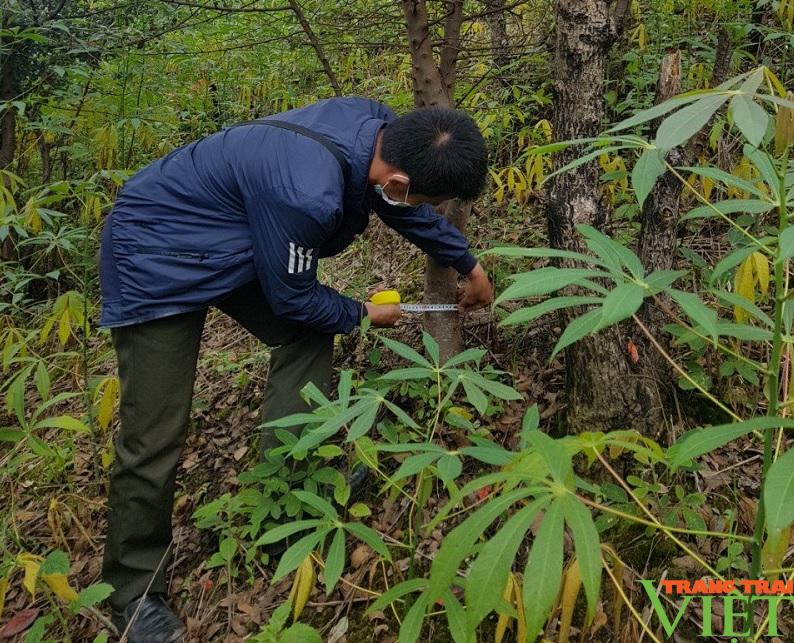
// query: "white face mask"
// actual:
[[381, 192]]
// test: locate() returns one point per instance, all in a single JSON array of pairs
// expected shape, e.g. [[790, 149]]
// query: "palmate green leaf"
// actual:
[[751, 119], [370, 537], [364, 422], [734, 259], [525, 315], [474, 395], [414, 464], [649, 167], [411, 627], [543, 573], [700, 314], [456, 618], [688, 121], [578, 328], [334, 561], [469, 355], [494, 562], [460, 541], [723, 177], [497, 389], [329, 427], [785, 244], [449, 467], [398, 591], [320, 504], [779, 494], [659, 110], [405, 352], [620, 304], [550, 253], [697, 442], [282, 531], [554, 454], [612, 252], [90, 596], [660, 280], [588, 549], [296, 554], [765, 166], [735, 299], [545, 280], [729, 206]]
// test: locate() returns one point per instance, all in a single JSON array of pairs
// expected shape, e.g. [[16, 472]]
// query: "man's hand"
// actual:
[[383, 316], [476, 290]]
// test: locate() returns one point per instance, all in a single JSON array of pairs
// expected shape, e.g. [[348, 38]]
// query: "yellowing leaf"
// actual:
[[30, 564], [59, 585], [743, 285], [302, 586], [504, 619], [64, 328], [570, 591], [109, 389], [518, 594], [3, 591], [761, 271]]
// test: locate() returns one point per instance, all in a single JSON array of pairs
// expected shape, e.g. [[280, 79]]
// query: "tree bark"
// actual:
[[602, 391], [434, 84], [497, 25], [8, 128]]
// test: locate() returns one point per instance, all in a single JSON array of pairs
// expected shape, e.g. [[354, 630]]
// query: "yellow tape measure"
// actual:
[[385, 297]]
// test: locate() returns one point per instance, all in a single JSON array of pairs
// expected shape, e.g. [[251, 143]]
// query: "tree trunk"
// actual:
[[434, 84], [602, 391], [500, 44], [8, 129]]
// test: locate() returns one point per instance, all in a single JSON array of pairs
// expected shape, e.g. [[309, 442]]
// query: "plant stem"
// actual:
[[773, 379]]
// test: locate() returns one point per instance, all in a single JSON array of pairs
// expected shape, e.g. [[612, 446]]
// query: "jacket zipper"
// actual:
[[172, 253]]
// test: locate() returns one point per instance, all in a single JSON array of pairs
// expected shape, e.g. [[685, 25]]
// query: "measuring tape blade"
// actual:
[[428, 308]]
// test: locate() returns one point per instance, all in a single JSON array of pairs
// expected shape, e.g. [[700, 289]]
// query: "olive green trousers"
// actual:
[[157, 367]]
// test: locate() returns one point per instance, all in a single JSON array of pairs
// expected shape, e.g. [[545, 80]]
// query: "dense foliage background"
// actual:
[[509, 462]]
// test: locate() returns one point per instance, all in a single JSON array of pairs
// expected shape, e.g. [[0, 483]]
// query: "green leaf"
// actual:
[[283, 531], [578, 328], [525, 315], [449, 467], [490, 569], [316, 435], [733, 259], [320, 504], [411, 627], [735, 299], [554, 453], [786, 244], [65, 422], [460, 541], [405, 352], [300, 633], [657, 110], [585, 158], [456, 618], [611, 251], [517, 251], [56, 562], [660, 280], [766, 168], [42, 380], [647, 169], [531, 420], [413, 465], [412, 373], [729, 206], [296, 554], [475, 396], [360, 510], [497, 389], [750, 118], [620, 304], [779, 494], [727, 179], [696, 442], [544, 567], [334, 561], [700, 314], [431, 346], [370, 537], [364, 422], [494, 455], [90, 596], [686, 122], [396, 592], [469, 355], [543, 281], [588, 549], [227, 548]]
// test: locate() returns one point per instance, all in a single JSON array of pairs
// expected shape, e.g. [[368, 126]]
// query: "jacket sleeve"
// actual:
[[286, 240], [430, 232]]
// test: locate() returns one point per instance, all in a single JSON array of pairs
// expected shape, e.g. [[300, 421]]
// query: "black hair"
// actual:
[[440, 149]]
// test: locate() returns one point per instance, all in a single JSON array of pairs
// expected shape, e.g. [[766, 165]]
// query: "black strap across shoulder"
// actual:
[[305, 131]]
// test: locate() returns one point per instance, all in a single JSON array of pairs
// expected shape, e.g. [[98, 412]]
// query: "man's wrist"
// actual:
[[465, 264]]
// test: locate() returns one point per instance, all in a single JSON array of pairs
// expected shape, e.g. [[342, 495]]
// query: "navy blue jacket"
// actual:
[[257, 202]]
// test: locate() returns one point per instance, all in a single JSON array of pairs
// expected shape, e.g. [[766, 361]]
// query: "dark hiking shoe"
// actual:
[[154, 622]]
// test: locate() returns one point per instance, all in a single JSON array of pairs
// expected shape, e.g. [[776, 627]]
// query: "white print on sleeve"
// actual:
[[300, 259]]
